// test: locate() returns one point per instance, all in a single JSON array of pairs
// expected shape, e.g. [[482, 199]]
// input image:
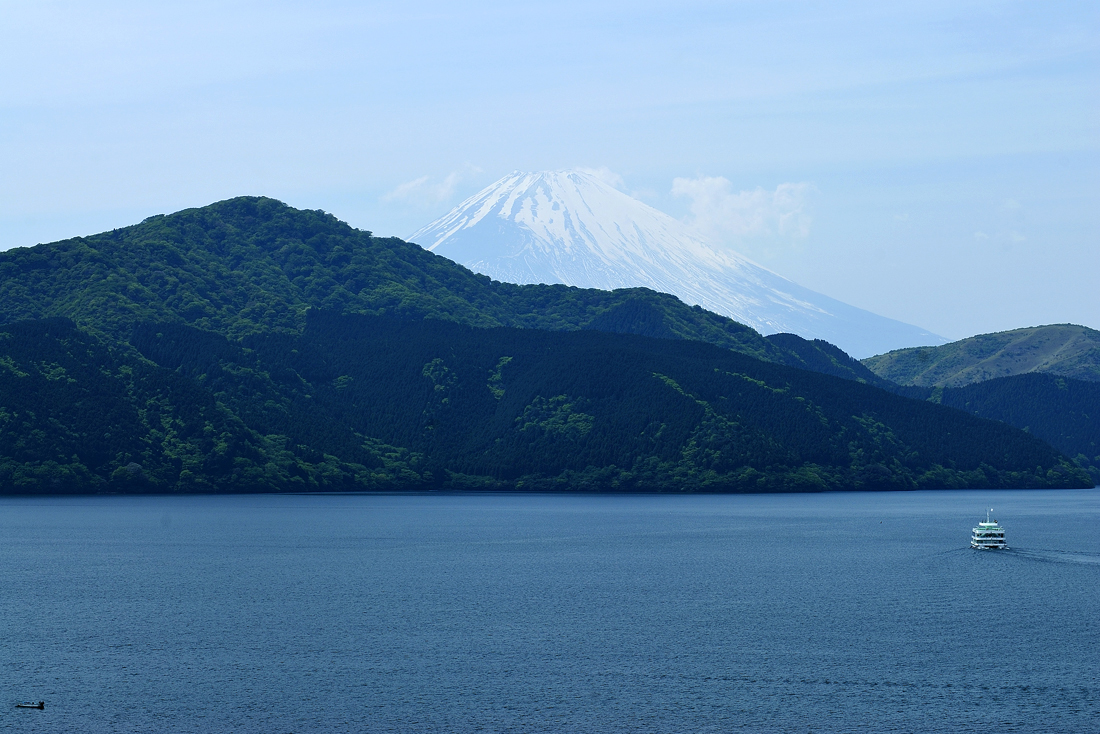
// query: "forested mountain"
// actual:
[[1064, 350], [1063, 412], [77, 416], [248, 346], [369, 403], [821, 356], [252, 264]]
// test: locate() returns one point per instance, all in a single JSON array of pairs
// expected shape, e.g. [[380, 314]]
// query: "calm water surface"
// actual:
[[799, 613]]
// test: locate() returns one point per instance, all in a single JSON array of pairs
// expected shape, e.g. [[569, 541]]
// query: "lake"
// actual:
[[539, 613]]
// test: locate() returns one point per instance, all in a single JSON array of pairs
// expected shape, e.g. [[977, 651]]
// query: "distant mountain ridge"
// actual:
[[1064, 350], [570, 227]]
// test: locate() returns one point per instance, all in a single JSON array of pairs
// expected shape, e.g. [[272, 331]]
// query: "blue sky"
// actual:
[[941, 160]]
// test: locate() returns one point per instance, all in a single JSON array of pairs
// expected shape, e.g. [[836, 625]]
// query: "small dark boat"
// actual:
[[30, 705]]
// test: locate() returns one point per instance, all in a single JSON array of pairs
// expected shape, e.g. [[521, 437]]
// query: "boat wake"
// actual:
[[1058, 556]]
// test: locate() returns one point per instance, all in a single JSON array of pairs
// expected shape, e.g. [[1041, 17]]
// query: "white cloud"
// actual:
[[423, 191], [724, 214], [606, 175]]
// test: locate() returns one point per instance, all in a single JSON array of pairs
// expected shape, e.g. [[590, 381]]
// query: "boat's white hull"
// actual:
[[988, 535]]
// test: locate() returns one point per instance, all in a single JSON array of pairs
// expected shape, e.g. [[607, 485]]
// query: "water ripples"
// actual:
[[862, 613]]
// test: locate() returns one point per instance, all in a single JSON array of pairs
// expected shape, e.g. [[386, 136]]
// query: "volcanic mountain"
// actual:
[[570, 227]]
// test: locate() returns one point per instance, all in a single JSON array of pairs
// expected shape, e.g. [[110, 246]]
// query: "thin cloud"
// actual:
[[606, 175], [423, 191], [723, 214]]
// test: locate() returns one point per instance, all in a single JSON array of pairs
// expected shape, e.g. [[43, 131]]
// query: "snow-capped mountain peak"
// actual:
[[571, 227]]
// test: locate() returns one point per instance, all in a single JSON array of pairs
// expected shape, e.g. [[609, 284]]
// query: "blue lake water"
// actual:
[[787, 613]]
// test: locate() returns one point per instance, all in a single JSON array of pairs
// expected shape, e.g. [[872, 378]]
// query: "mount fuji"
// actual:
[[570, 227]]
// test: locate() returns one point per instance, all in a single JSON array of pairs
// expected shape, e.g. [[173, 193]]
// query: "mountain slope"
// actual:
[[251, 264], [373, 403], [510, 408], [821, 356], [570, 227], [138, 399], [1066, 350], [1062, 411], [76, 416]]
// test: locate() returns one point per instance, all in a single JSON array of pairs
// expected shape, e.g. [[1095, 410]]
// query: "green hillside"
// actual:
[[249, 346], [76, 416], [821, 356], [252, 265], [1063, 412], [376, 403], [1064, 350]]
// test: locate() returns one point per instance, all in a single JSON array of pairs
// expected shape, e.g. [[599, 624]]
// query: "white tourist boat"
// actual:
[[988, 535]]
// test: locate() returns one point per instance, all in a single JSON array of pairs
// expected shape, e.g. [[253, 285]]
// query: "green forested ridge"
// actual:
[[1043, 379], [1063, 412], [77, 416], [193, 362], [1064, 350], [821, 356], [368, 403], [252, 265]]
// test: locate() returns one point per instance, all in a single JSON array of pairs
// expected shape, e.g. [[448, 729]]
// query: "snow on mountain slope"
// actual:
[[570, 227]]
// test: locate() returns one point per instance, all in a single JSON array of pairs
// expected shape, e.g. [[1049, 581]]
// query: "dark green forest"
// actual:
[[247, 346], [76, 416], [1063, 412], [377, 403]]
